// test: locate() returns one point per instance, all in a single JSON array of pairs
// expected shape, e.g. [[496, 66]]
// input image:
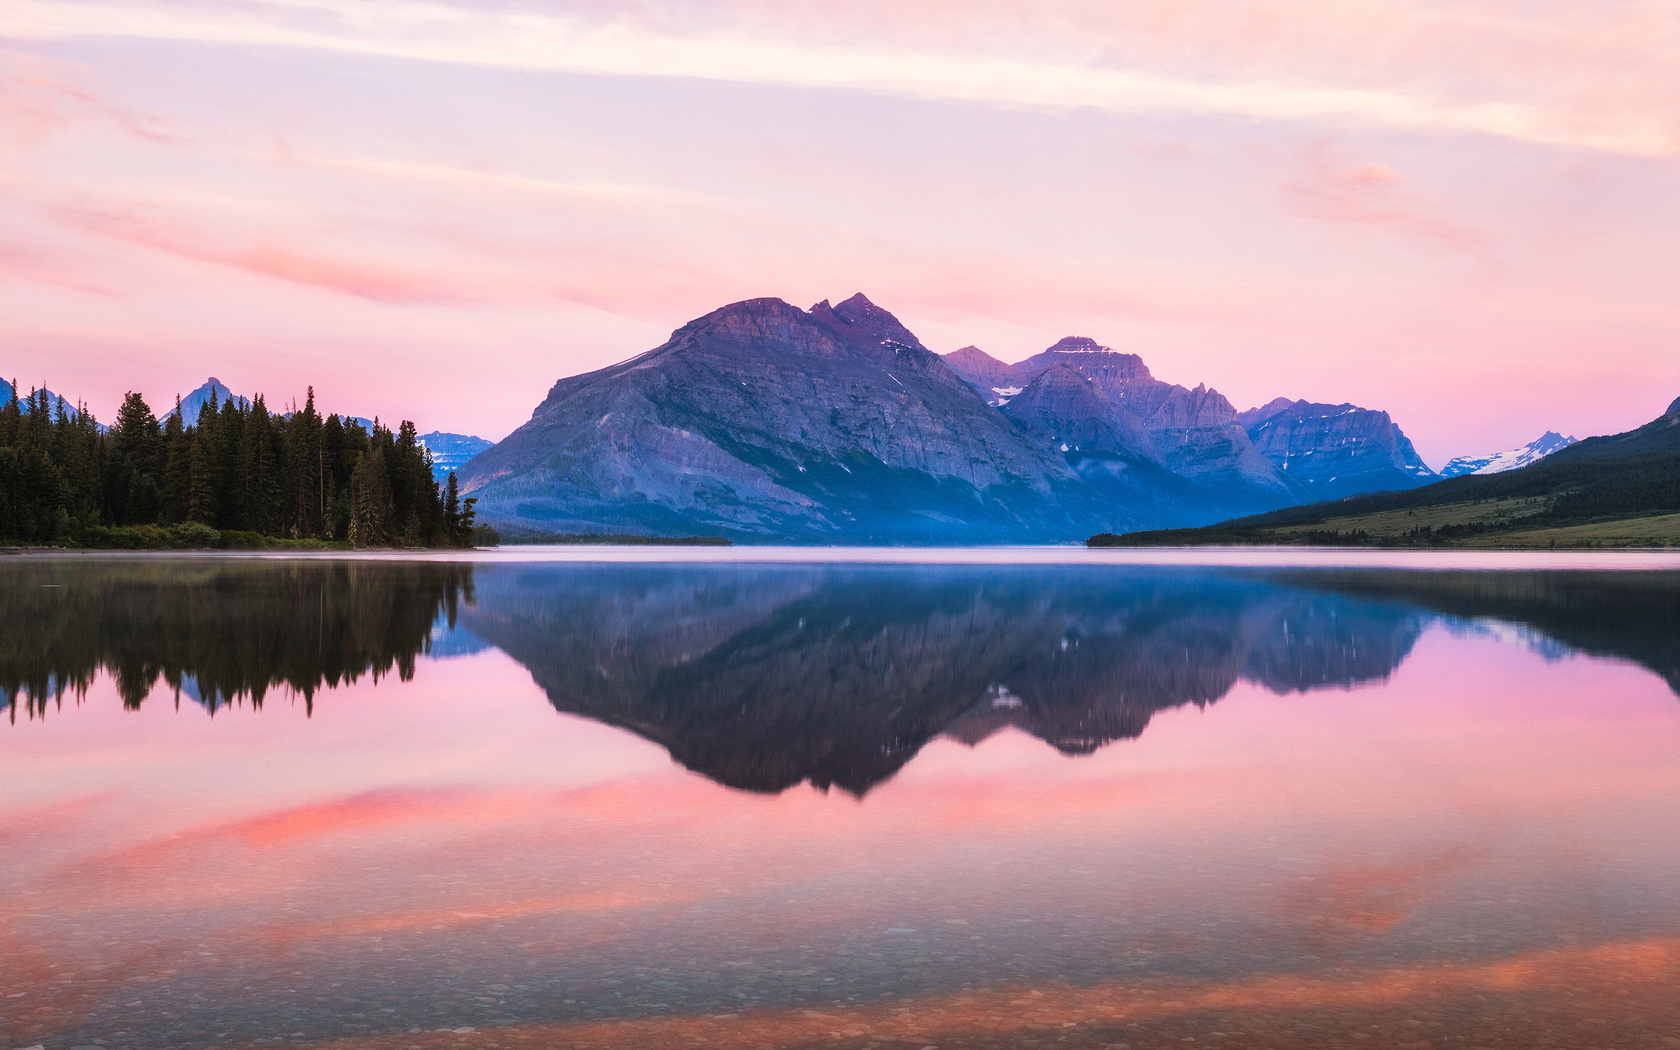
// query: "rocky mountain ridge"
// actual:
[[763, 421], [1298, 450], [1511, 459]]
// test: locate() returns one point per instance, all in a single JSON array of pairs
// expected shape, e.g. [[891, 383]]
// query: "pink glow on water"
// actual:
[[456, 825]]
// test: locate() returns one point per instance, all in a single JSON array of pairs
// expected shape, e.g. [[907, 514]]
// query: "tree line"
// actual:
[[238, 475]]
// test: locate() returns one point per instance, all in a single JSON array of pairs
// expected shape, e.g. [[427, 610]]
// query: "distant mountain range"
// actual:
[[7, 391], [449, 451], [1513, 459], [1620, 490], [762, 421]]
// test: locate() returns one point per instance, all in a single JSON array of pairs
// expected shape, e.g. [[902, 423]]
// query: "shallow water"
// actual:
[[671, 798]]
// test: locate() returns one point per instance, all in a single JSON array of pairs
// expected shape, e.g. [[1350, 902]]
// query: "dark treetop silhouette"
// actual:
[[236, 474]]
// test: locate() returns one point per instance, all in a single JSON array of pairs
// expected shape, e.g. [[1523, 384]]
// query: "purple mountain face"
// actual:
[[1336, 450], [193, 404], [1192, 433], [1293, 451], [834, 424]]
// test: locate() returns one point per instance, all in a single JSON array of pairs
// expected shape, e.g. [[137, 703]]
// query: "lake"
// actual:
[[658, 798]]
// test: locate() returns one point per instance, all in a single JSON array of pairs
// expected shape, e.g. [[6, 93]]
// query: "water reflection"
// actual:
[[762, 678], [218, 631], [1474, 844]]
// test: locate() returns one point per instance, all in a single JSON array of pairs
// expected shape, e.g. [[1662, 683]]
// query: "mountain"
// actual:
[[1285, 452], [1661, 435], [450, 452], [25, 398], [762, 420], [1612, 491], [1111, 450], [1335, 450], [1541, 447], [193, 404], [1193, 433], [996, 381]]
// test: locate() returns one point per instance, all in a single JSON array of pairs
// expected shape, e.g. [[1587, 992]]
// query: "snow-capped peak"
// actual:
[[1512, 459]]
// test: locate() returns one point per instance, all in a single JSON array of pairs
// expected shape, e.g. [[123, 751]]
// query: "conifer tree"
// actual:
[[177, 467]]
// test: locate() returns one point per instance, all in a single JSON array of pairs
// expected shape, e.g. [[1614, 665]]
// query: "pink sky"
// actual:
[[1463, 213]]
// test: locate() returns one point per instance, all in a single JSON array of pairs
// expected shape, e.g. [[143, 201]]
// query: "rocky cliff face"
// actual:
[[1336, 450], [1192, 433], [764, 420], [835, 424], [996, 381], [451, 452]]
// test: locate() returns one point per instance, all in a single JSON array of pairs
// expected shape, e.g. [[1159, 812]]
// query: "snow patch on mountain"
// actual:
[[1511, 459]]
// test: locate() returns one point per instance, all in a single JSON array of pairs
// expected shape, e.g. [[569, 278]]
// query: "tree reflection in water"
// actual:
[[220, 630]]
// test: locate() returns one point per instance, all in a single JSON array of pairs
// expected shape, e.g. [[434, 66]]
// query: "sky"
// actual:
[[1463, 213]]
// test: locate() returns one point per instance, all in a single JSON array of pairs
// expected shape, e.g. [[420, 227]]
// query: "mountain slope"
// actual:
[[764, 420], [1661, 435], [193, 404], [996, 381], [1110, 449], [1511, 459], [1335, 450], [450, 452], [1194, 433], [1597, 499]]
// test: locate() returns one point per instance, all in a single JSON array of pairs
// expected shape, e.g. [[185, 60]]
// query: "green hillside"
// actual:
[[1592, 498]]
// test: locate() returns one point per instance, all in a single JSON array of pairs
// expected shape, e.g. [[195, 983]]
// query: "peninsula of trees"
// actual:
[[237, 476]]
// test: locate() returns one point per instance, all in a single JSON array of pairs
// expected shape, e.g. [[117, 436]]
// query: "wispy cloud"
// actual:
[[365, 279], [1070, 66], [1369, 194]]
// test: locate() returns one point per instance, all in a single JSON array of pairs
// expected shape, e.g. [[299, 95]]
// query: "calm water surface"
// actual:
[[539, 801]]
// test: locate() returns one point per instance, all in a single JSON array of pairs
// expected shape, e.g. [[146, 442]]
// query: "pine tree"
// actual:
[[370, 501], [259, 468], [134, 479], [306, 462], [205, 464], [176, 496]]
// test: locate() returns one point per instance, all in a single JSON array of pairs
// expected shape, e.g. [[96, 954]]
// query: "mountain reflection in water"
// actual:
[[762, 678]]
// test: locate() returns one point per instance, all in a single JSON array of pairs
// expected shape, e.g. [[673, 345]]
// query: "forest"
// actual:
[[237, 476]]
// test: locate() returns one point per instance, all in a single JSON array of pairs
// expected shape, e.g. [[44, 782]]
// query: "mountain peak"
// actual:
[[1541, 447], [1079, 344], [192, 404], [858, 316], [1673, 409]]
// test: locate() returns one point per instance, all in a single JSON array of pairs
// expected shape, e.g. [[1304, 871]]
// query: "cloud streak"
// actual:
[[1051, 72], [1372, 195]]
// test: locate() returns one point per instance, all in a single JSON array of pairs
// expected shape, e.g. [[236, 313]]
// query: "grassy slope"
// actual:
[[1631, 501]]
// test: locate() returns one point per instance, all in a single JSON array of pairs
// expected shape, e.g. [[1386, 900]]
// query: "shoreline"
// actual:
[[1070, 555]]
